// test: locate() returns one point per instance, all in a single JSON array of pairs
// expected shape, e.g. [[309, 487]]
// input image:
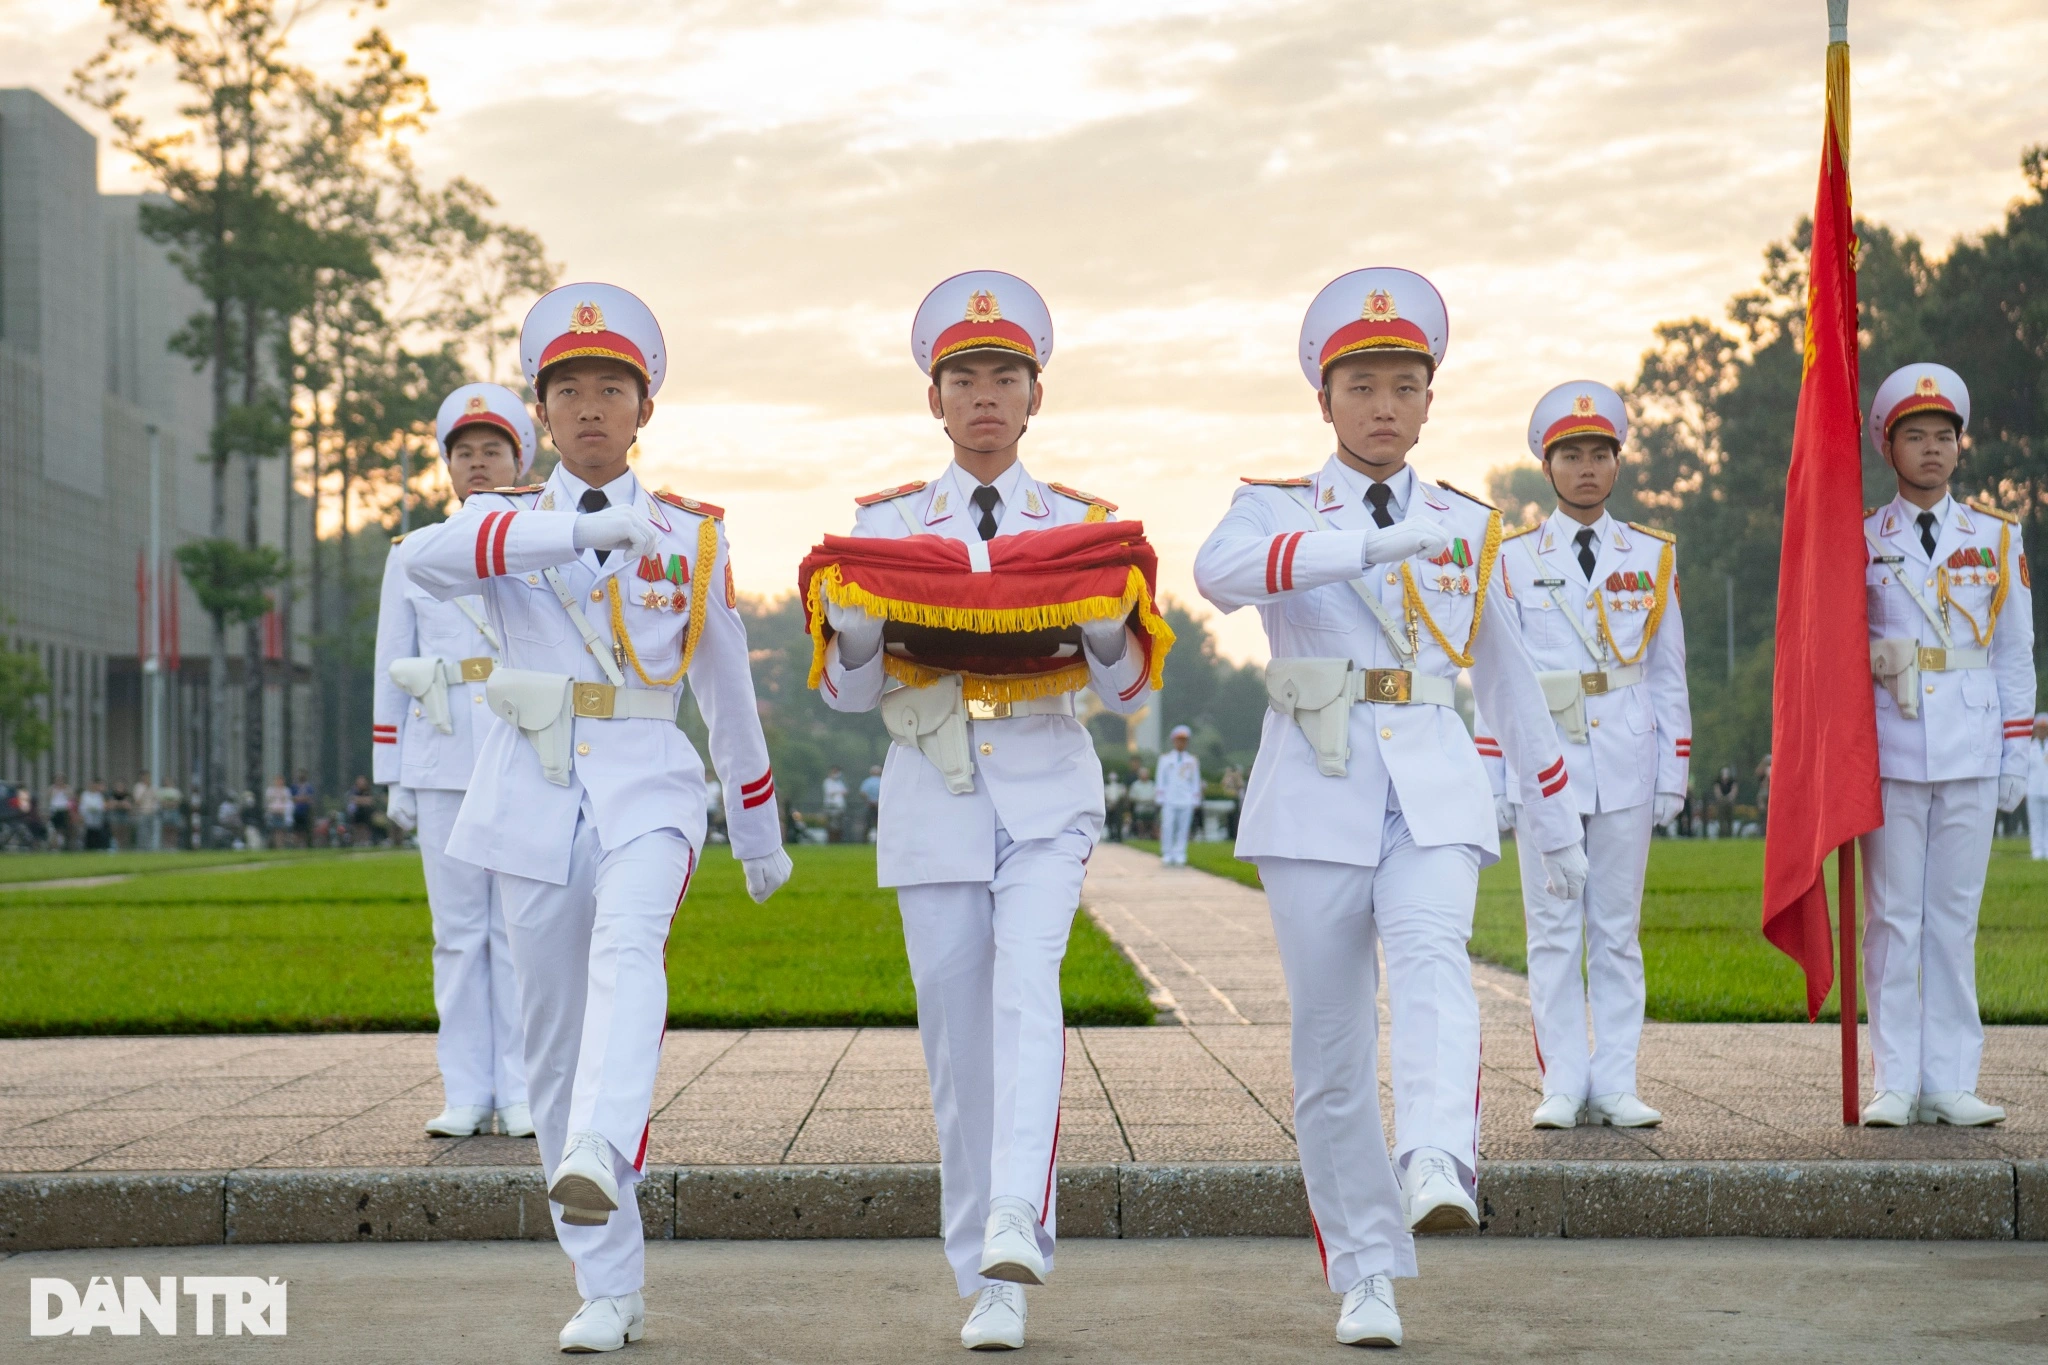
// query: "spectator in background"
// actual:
[[1116, 806], [1688, 818], [252, 820], [120, 818], [1232, 783], [361, 810], [277, 810], [1723, 797], [1180, 796], [143, 803], [302, 809], [871, 802], [92, 817], [59, 807], [1763, 793], [714, 810], [835, 807], [1145, 805]]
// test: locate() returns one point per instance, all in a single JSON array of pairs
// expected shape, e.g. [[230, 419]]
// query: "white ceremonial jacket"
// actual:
[[409, 749], [1973, 722], [1269, 553], [1638, 738], [633, 775], [1036, 776], [1178, 778]]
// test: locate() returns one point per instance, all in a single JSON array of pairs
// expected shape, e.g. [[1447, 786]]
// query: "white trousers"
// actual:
[[1924, 870], [2037, 824], [985, 959], [1327, 917], [1589, 948], [480, 1046], [1175, 823], [593, 990]]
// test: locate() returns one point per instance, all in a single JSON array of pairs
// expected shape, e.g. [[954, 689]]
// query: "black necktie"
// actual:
[[1584, 540], [1926, 520], [594, 500], [1379, 495], [985, 498]]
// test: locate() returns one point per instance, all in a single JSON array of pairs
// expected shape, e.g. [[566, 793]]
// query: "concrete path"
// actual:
[[1211, 1085], [1186, 1301]]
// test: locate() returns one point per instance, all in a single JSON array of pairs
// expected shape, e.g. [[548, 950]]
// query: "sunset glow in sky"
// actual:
[[784, 181]]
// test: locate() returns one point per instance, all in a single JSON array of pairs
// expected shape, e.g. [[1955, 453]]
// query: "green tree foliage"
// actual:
[[22, 724], [1222, 704]]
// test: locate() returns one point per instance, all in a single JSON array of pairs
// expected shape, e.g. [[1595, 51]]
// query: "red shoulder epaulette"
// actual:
[[702, 509], [1446, 485], [1303, 482], [523, 488], [1078, 496], [901, 490]]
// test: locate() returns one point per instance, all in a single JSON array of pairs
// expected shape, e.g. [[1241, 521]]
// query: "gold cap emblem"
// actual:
[[1582, 406], [1928, 387], [477, 404], [982, 307], [1379, 307], [587, 317]]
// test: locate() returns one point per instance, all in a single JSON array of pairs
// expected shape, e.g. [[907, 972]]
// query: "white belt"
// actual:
[[1601, 681], [1318, 694], [1896, 666], [545, 706], [1399, 687], [1061, 705], [933, 720]]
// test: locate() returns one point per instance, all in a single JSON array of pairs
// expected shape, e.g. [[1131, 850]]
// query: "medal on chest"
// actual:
[[664, 583]]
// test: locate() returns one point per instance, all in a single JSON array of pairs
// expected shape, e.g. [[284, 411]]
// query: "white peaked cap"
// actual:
[[1925, 387], [599, 320], [1380, 308], [981, 310], [489, 405], [1583, 407]]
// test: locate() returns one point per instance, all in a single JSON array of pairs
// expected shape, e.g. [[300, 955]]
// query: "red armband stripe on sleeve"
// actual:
[[1552, 771], [483, 544], [1487, 745], [1553, 788], [1273, 564], [1287, 561], [498, 543], [761, 797], [764, 780]]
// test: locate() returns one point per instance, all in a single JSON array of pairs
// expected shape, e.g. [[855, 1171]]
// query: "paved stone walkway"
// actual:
[[1211, 1084]]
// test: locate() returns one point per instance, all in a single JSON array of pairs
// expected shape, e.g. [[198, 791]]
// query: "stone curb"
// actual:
[[2001, 1200]]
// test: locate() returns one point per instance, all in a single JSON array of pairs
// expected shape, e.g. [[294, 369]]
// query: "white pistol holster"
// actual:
[[1895, 666], [1316, 695], [427, 682], [1564, 692], [933, 721], [539, 705]]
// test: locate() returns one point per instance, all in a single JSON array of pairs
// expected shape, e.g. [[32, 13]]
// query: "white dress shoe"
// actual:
[[583, 1183], [459, 1120], [606, 1324], [1435, 1195], [1621, 1110], [1368, 1317], [997, 1321], [1888, 1109], [1958, 1107], [1557, 1111], [1009, 1243], [516, 1120]]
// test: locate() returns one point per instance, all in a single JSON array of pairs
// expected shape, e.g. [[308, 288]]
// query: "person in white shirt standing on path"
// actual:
[[1952, 658], [1367, 809], [1179, 782], [589, 801], [987, 863], [1597, 605], [2037, 788], [427, 719]]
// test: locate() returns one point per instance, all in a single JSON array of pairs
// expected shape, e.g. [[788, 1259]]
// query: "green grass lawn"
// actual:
[[38, 867], [345, 946], [1704, 955]]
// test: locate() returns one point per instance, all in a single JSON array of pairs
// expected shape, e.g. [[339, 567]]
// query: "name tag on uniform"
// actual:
[[1887, 559], [1549, 582]]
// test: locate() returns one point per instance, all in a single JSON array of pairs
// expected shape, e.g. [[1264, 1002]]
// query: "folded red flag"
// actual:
[[1011, 628]]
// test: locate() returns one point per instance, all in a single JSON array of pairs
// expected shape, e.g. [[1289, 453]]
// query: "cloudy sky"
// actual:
[[783, 180]]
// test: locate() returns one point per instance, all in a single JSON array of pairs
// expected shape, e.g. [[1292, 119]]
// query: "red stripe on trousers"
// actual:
[[640, 1157], [1045, 1203], [483, 544], [498, 543], [1322, 1252]]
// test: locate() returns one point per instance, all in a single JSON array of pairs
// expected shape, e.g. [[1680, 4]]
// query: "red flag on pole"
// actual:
[[1824, 788]]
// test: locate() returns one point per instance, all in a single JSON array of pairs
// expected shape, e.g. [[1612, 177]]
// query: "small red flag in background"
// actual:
[[1824, 788]]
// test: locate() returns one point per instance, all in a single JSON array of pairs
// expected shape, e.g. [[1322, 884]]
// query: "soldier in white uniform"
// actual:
[[987, 863], [1179, 779], [1952, 658], [589, 802], [1367, 810], [1597, 605], [428, 716]]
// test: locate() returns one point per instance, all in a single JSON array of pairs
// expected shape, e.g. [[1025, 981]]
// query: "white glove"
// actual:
[[1415, 536], [616, 528], [860, 635], [1564, 871], [765, 876], [2012, 789], [401, 807], [1665, 807], [1504, 814], [1106, 640]]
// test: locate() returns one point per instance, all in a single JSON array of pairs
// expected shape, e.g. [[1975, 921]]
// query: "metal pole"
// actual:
[[152, 667], [1731, 627], [1845, 916]]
